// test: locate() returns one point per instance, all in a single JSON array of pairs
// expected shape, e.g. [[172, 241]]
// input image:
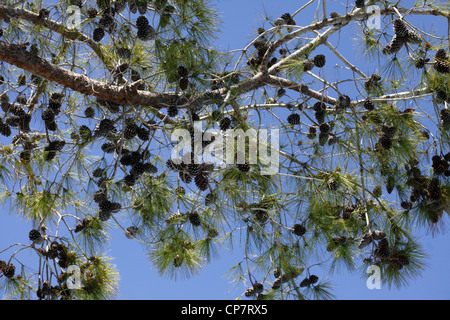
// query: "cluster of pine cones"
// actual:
[[7, 269], [402, 35], [18, 117], [54, 251], [189, 170], [427, 188], [145, 32]]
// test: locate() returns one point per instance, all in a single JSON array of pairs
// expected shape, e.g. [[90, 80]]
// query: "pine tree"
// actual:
[[90, 118]]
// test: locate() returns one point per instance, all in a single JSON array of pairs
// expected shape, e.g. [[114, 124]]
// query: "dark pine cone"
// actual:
[[98, 34], [319, 60], [48, 115], [441, 66], [305, 283], [130, 131], [5, 130], [184, 83], [394, 46], [313, 278], [182, 71], [368, 104], [89, 112], [123, 53], [146, 33], [35, 235], [389, 131], [298, 229], [385, 142], [201, 181], [243, 167], [225, 123], [141, 22], [185, 177], [359, 3], [420, 63], [106, 21], [400, 28], [108, 147], [440, 55], [445, 117], [91, 13], [293, 119], [143, 134], [194, 218], [172, 111], [324, 128], [130, 180], [9, 270]]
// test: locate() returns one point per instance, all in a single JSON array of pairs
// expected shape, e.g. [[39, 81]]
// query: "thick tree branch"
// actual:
[[124, 95], [71, 34]]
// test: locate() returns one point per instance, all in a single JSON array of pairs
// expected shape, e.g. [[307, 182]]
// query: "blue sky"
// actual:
[[140, 281]]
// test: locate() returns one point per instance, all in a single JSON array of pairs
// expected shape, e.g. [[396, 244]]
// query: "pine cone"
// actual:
[[305, 283], [359, 3], [194, 218], [172, 111], [106, 21], [346, 214], [382, 250], [394, 46], [130, 131], [201, 181], [385, 142], [293, 119], [225, 123], [131, 232], [250, 292], [92, 13], [389, 131], [313, 279], [5, 129], [332, 184], [308, 65], [343, 102], [420, 63], [142, 22], [258, 287], [209, 199], [35, 236], [440, 54], [108, 147], [445, 117], [441, 66], [146, 33], [9, 270], [413, 37], [319, 60], [183, 83], [400, 28], [298, 229], [185, 177], [243, 167], [324, 128], [98, 34]]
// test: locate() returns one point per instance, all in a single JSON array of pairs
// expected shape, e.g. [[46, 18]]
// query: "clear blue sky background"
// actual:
[[137, 278]]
